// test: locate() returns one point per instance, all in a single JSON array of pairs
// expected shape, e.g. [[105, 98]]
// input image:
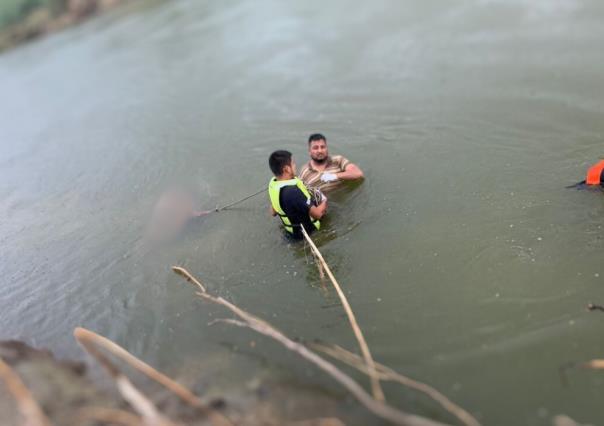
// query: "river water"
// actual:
[[466, 260]]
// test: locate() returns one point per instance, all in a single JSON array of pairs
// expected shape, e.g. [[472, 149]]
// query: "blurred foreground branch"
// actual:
[[89, 340], [28, 407]]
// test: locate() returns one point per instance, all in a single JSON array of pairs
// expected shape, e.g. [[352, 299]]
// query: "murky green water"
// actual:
[[466, 261]]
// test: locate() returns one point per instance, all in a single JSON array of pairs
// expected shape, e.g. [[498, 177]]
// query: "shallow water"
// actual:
[[466, 260]]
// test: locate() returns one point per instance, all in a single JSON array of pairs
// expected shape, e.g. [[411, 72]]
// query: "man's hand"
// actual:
[[317, 212], [323, 197], [329, 177]]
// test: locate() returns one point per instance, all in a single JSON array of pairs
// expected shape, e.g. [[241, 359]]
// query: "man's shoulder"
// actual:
[[293, 199], [306, 168], [292, 193], [340, 161]]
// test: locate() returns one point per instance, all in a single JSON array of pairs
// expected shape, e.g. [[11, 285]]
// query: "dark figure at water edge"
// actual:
[[290, 199], [174, 209], [595, 176], [323, 171]]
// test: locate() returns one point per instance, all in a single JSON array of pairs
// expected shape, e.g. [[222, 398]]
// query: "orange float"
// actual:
[[595, 174]]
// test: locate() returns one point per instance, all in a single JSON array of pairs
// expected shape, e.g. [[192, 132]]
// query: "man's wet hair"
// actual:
[[278, 160], [316, 137]]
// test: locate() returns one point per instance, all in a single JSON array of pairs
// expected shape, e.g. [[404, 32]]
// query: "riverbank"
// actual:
[[67, 395], [34, 20]]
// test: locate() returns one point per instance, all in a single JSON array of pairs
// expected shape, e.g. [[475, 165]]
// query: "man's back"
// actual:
[[296, 207]]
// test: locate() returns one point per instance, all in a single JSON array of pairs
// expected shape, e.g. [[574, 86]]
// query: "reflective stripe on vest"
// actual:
[[274, 190], [595, 174]]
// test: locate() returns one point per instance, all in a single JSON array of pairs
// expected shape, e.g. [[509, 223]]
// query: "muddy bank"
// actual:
[[44, 20], [65, 392]]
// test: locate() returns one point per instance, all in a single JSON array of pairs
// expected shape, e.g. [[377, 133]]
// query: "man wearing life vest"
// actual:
[[290, 199]]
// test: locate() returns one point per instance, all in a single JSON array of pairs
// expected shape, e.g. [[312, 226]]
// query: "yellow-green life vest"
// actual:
[[274, 189]]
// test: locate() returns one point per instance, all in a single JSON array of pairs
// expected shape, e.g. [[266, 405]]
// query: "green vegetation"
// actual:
[[24, 20], [14, 11]]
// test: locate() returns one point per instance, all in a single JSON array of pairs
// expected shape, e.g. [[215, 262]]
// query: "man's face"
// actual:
[[318, 151]]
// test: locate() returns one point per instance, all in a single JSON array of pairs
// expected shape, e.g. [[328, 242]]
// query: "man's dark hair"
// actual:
[[278, 160], [316, 137]]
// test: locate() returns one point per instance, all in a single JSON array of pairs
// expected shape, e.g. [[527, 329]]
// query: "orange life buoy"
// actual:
[[595, 174]]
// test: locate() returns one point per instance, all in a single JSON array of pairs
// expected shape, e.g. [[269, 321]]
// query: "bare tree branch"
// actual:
[[88, 338], [386, 373], [376, 388], [28, 407], [150, 414], [250, 321]]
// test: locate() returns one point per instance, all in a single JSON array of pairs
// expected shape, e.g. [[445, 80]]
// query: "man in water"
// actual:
[[323, 171], [290, 199]]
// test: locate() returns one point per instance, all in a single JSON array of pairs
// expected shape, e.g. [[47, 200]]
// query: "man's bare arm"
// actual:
[[317, 212], [351, 172]]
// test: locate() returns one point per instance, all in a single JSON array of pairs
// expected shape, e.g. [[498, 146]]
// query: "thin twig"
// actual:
[[376, 388], [86, 337], [320, 267], [250, 321], [187, 275], [388, 374], [28, 407]]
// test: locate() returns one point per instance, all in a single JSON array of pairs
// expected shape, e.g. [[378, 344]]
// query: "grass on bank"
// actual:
[[15, 11]]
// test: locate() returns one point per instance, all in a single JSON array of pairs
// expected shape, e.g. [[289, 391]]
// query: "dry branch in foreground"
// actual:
[[376, 388], [378, 408], [388, 374], [144, 407], [28, 407], [137, 400]]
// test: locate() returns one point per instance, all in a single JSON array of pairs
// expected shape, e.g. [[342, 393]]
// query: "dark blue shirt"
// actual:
[[296, 207]]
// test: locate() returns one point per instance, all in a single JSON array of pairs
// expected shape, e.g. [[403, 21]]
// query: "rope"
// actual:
[[240, 201]]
